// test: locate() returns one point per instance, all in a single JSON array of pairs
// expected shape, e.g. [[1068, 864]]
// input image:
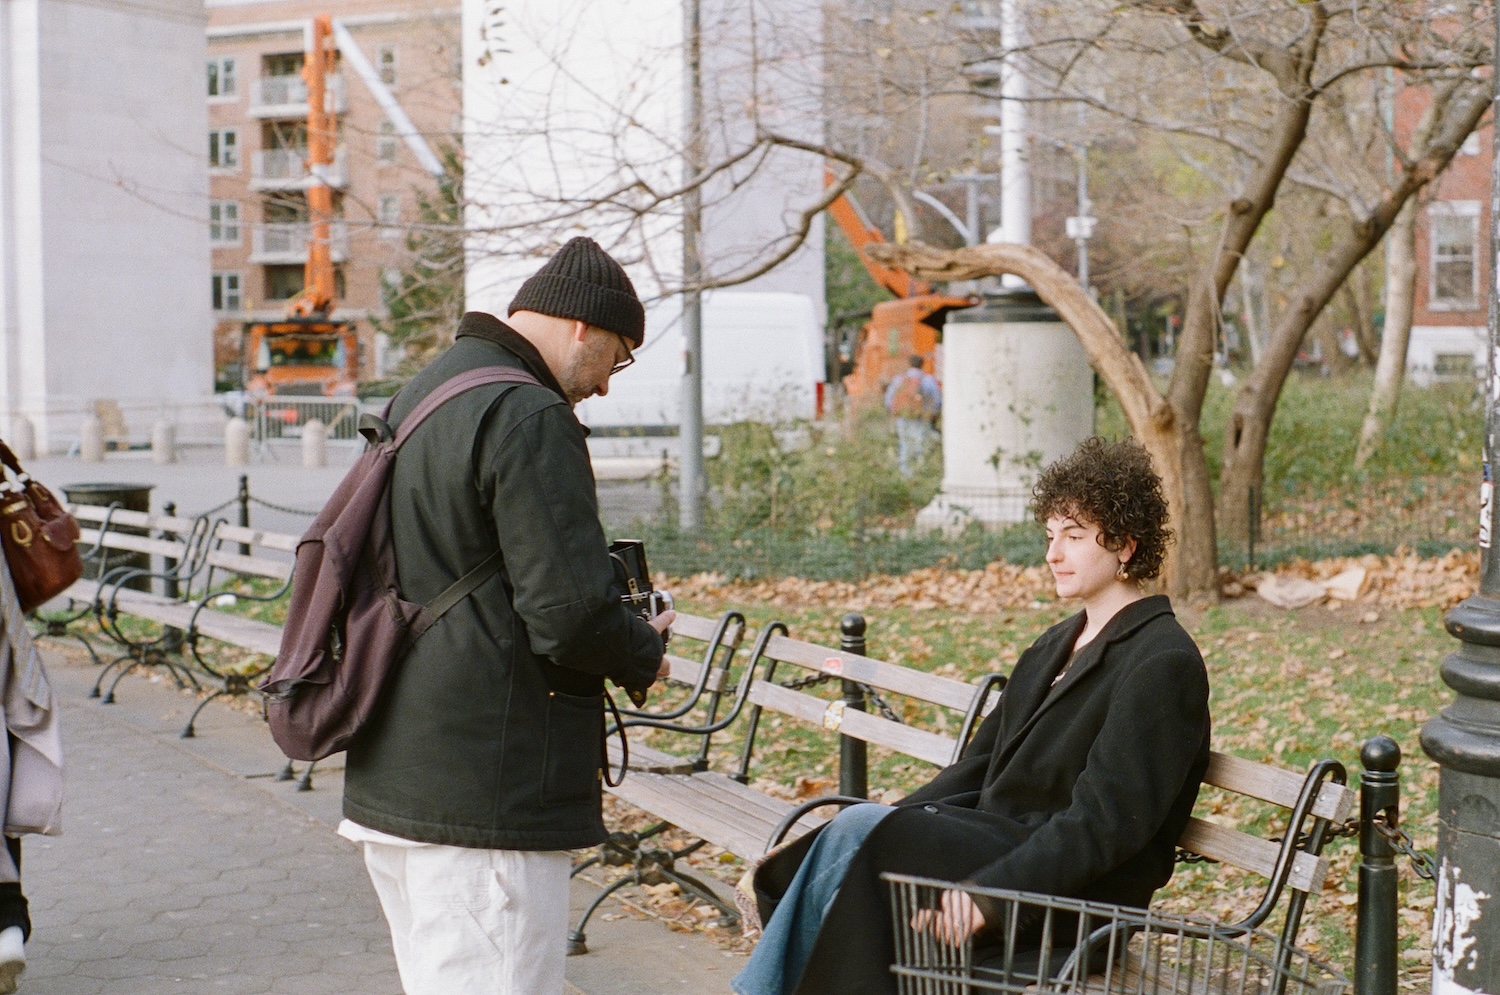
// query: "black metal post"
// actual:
[[853, 760], [1465, 738], [169, 563], [172, 637], [1375, 934], [243, 497]]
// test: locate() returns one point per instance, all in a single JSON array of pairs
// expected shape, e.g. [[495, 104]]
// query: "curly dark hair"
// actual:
[[1113, 485]]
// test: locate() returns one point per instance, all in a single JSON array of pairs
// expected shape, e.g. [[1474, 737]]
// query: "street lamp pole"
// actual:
[[1465, 738], [690, 432]]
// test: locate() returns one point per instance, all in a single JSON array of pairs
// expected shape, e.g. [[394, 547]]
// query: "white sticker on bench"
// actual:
[[833, 715]]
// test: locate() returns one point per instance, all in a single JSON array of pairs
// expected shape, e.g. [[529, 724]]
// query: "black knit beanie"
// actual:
[[581, 282]]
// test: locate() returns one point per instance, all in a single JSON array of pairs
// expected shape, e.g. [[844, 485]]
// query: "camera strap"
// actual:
[[609, 700]]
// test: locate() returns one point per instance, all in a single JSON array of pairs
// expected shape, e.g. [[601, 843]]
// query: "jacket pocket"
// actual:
[[574, 749]]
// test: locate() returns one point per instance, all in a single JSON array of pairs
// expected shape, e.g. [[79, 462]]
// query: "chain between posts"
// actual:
[[871, 694], [1421, 863]]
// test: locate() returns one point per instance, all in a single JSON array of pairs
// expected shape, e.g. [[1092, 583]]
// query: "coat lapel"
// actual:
[[1040, 695]]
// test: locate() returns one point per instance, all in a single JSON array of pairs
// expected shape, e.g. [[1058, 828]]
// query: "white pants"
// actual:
[[474, 922]]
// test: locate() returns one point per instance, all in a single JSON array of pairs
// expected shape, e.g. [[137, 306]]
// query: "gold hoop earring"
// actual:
[[1124, 572]]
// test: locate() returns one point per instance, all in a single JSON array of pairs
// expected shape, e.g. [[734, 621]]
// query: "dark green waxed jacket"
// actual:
[[491, 733]]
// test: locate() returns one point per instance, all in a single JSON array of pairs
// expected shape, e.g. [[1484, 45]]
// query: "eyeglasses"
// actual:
[[629, 358]]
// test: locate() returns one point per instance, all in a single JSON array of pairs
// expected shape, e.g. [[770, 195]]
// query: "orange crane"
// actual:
[[308, 353], [897, 329]]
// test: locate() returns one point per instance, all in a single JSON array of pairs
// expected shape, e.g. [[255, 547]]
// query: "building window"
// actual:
[[221, 78], [386, 142], [1454, 238], [224, 222], [390, 215], [385, 63], [227, 292], [283, 282], [224, 149]]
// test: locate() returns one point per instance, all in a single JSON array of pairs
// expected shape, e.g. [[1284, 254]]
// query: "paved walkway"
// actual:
[[186, 868]]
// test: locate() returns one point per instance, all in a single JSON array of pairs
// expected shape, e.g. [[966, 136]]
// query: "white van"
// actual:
[[762, 361]]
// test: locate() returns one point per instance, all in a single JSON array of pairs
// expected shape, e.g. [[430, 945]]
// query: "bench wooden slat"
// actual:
[[132, 543], [702, 629], [891, 677], [914, 742], [1251, 853], [1276, 785], [685, 671], [279, 541], [97, 513], [257, 566], [708, 805]]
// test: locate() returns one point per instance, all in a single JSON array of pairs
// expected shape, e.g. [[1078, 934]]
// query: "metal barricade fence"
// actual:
[[1058, 945], [283, 417]]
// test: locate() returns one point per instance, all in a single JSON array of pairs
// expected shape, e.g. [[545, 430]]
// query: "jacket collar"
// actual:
[[1038, 694], [477, 324]]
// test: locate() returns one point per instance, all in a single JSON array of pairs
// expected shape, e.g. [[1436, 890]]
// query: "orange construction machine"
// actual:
[[897, 329], [307, 353]]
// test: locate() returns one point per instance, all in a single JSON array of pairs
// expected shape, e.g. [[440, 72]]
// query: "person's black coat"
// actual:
[[1078, 790], [491, 733]]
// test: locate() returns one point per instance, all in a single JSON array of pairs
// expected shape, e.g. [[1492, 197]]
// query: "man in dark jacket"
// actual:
[[482, 765]]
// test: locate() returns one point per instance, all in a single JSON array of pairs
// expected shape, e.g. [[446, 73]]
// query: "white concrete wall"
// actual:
[[1428, 342], [104, 264], [570, 102], [1018, 394]]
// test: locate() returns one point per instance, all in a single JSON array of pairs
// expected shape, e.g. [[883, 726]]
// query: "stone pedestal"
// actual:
[[1018, 393]]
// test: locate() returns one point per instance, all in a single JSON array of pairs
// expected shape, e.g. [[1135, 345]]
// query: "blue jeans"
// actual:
[[786, 943], [912, 435]]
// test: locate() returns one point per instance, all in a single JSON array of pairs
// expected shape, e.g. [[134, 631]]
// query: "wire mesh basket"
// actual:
[[1040, 944]]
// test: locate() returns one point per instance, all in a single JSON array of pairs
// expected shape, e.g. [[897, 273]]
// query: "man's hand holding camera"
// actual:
[[662, 624]]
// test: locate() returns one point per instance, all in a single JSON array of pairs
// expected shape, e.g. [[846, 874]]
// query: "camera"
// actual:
[[629, 558]]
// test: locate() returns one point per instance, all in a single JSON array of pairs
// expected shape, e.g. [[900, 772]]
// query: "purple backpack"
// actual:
[[347, 625]]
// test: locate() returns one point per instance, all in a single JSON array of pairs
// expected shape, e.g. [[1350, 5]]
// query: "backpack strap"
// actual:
[[445, 392], [455, 386], [456, 592]]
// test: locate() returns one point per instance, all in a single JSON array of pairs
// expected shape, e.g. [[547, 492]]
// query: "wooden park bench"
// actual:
[[130, 558], [721, 808]]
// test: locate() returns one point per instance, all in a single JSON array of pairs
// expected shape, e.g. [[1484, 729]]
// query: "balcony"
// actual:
[[286, 242], [286, 96], [286, 169]]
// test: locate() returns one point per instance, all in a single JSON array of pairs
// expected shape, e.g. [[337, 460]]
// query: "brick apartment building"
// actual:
[[257, 146], [1449, 335]]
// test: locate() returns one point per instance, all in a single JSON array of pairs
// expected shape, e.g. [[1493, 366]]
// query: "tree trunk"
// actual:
[[1358, 290], [1173, 441], [1390, 369]]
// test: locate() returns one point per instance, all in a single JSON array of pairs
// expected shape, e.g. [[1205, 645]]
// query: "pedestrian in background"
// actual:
[[481, 768], [32, 793], [914, 399]]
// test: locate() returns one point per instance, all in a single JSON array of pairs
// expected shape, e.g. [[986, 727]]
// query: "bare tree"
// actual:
[[1260, 94], [1390, 369]]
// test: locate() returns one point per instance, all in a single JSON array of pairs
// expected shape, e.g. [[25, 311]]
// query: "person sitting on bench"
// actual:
[[1078, 784]]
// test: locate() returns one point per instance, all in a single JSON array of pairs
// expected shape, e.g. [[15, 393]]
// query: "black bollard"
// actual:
[[243, 497], [1375, 934], [853, 773]]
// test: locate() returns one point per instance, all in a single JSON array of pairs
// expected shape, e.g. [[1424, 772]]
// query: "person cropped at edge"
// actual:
[[1077, 785], [31, 795], [481, 767]]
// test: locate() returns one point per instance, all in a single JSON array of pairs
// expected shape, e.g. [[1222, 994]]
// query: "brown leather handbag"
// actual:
[[38, 535]]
